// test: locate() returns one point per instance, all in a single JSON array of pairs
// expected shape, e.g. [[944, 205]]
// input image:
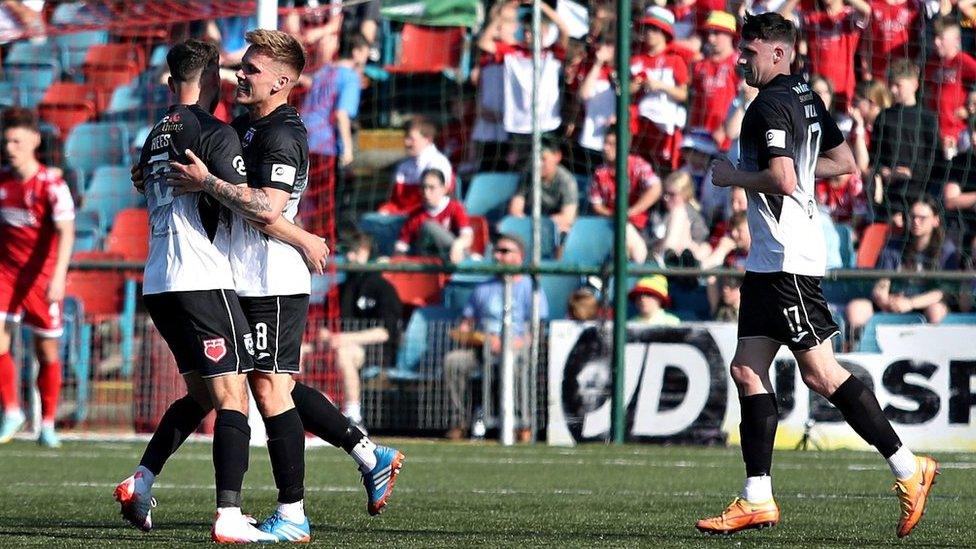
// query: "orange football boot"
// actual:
[[741, 515], [913, 493]]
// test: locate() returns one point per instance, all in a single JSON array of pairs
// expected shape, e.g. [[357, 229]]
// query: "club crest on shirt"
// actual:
[[215, 349], [248, 136]]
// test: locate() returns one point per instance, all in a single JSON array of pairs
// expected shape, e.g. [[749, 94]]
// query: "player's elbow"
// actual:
[[267, 217]]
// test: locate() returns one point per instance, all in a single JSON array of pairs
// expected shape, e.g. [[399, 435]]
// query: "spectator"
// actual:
[[328, 110], [732, 248], [679, 235], [894, 31], [439, 226], [422, 155], [697, 150], [645, 191], [950, 73], [832, 31], [583, 305], [925, 249], [959, 193], [650, 299], [904, 146], [489, 136], [19, 19], [372, 310], [560, 195], [843, 199], [714, 81], [870, 98], [517, 80], [660, 88], [724, 297], [599, 99], [36, 235], [364, 18], [482, 321]]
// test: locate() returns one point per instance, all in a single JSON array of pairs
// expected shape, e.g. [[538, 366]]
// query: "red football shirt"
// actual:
[[843, 201], [714, 85], [28, 212], [832, 41], [603, 190], [950, 79], [892, 33], [450, 215]]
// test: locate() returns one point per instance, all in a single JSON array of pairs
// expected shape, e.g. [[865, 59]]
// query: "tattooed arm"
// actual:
[[255, 204]]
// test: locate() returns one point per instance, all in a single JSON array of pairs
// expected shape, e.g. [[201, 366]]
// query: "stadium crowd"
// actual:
[[897, 75]]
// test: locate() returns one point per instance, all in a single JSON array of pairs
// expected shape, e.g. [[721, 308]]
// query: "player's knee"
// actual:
[[817, 381], [350, 357], [272, 394], [47, 350], [859, 311], [744, 376], [936, 312], [229, 393]]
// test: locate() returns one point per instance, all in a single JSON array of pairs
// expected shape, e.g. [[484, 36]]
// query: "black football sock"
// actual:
[[181, 418], [321, 418], [230, 447], [286, 446], [758, 432], [863, 413]]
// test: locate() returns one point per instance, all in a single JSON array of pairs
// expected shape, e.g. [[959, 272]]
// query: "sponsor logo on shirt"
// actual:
[[281, 173], [238, 164], [249, 342], [248, 136], [776, 138]]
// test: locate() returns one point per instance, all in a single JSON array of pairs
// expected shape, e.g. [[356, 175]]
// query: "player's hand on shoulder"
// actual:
[[723, 172], [135, 174], [187, 178]]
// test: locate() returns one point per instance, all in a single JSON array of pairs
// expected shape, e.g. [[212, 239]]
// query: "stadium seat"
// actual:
[[872, 242], [108, 66], [101, 292], [833, 243], [869, 336], [456, 294], [32, 82], [558, 288], [489, 193], [959, 318], [65, 105], [848, 256], [73, 47], [129, 236], [417, 289], [86, 240], [95, 144], [590, 242], [482, 237], [522, 227], [384, 229], [430, 50], [416, 339], [109, 191]]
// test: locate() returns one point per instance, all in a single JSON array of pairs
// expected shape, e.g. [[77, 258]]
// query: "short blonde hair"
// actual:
[[279, 46], [684, 185]]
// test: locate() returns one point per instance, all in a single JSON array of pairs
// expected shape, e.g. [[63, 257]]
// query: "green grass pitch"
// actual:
[[457, 495]]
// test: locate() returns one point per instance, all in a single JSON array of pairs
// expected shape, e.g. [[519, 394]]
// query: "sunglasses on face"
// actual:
[[505, 251]]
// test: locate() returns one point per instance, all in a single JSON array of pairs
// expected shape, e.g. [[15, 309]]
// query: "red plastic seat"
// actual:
[[67, 104], [417, 289], [872, 242], [429, 49], [109, 66], [129, 236], [102, 292], [481, 236]]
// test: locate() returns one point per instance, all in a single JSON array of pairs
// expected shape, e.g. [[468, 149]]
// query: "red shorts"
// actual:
[[27, 302]]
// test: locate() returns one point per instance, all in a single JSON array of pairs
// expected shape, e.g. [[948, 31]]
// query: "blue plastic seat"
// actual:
[[32, 82], [95, 144], [109, 191], [384, 229], [590, 242], [73, 47], [869, 336], [489, 193], [959, 318], [522, 227], [848, 256], [558, 288], [25, 53], [425, 337]]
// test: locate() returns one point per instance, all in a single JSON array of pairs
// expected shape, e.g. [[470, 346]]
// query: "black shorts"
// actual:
[[278, 324], [787, 308], [206, 330]]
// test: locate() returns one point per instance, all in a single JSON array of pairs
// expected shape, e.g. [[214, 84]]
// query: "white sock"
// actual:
[[295, 512], [144, 479], [11, 413], [364, 454], [47, 424], [758, 489], [353, 411], [229, 512], [903, 463]]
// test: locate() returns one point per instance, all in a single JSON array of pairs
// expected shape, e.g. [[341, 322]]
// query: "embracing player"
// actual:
[[272, 281], [788, 139]]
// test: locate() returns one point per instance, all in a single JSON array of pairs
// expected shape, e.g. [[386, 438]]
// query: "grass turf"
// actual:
[[453, 495]]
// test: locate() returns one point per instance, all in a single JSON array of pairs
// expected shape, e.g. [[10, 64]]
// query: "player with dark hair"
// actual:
[[36, 236], [788, 139], [272, 280], [189, 293]]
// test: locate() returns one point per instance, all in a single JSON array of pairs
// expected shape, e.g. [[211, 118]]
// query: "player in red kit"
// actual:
[[36, 235]]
